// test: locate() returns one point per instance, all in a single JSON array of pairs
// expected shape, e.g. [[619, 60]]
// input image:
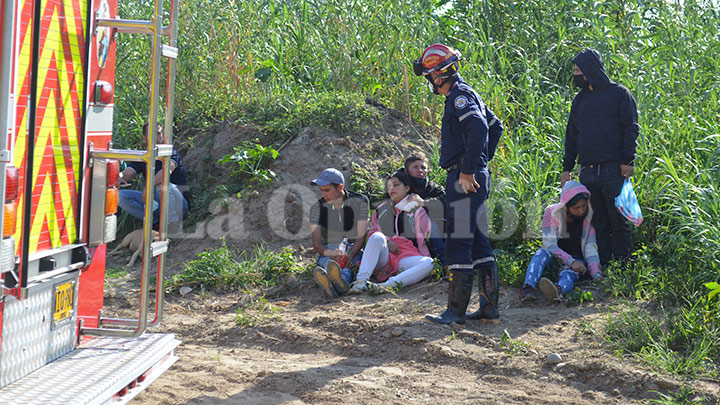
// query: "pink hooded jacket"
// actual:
[[554, 228]]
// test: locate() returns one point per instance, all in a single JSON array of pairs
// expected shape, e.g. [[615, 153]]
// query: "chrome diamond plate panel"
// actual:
[[29, 340], [93, 373]]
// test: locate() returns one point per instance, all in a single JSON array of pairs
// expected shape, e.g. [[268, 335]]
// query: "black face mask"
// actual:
[[580, 81], [433, 87]]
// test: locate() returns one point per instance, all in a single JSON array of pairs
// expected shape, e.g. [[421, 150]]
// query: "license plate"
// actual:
[[64, 301]]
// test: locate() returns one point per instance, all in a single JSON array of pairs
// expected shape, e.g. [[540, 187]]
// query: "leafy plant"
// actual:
[[222, 267], [512, 346], [257, 310], [250, 160], [578, 297]]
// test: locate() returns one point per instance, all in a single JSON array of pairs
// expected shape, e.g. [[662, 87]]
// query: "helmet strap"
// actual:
[[435, 88]]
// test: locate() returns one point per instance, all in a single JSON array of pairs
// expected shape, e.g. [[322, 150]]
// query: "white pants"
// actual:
[[411, 269]]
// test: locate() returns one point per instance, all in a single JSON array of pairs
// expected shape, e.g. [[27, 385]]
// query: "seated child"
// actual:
[[569, 236]]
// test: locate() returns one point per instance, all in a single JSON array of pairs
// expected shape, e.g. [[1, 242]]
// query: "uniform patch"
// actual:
[[461, 102]]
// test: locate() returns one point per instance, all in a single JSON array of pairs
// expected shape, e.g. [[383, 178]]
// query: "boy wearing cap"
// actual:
[[569, 236], [339, 215]]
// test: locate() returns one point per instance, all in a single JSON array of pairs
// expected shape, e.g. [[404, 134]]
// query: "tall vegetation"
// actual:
[[260, 59]]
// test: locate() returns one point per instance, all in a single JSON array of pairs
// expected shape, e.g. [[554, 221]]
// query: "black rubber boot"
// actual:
[[489, 293], [461, 283]]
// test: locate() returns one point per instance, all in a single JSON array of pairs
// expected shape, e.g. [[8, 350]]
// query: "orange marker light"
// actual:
[[111, 200], [10, 219]]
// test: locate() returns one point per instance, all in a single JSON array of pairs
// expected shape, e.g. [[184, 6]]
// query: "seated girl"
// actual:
[[569, 236], [395, 252]]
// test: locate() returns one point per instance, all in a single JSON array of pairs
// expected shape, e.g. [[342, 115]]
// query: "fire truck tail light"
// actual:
[[11, 181], [10, 219], [111, 200], [113, 172]]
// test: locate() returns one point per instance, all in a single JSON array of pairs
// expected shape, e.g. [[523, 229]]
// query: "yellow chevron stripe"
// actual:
[[49, 132]]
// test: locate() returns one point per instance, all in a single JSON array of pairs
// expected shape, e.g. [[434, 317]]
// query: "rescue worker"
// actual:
[[470, 134]]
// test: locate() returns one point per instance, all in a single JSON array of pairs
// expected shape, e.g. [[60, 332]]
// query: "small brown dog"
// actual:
[[133, 241]]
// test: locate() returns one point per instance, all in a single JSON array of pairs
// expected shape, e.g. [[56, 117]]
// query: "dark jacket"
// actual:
[[470, 131], [603, 124], [432, 193]]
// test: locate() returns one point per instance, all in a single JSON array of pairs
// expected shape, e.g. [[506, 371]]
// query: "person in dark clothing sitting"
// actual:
[[601, 135], [429, 195]]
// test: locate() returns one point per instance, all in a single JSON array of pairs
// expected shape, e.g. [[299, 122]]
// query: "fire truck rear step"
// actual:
[[96, 372]]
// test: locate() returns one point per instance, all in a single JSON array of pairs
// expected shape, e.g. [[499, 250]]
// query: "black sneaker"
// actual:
[[527, 294]]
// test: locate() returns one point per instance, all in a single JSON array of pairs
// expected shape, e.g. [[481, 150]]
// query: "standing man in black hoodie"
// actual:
[[601, 135]]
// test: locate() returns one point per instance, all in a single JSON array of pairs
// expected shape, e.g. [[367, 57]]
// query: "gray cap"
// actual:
[[329, 176]]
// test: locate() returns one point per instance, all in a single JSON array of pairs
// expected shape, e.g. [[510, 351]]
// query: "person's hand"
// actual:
[[564, 178], [599, 279], [468, 183], [627, 171], [417, 199], [578, 267], [393, 247], [144, 194], [334, 253]]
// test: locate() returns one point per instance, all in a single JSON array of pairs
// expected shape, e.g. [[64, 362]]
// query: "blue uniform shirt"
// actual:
[[470, 131]]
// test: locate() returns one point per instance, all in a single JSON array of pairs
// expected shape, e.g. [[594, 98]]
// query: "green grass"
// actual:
[[256, 311], [285, 65], [115, 272], [224, 268]]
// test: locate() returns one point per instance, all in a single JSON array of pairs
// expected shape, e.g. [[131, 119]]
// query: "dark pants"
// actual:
[[437, 243], [604, 182], [466, 242]]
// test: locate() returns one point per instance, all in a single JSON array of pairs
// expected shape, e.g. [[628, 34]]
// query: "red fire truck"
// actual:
[[59, 174]]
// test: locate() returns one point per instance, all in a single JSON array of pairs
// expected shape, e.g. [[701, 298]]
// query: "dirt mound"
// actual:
[[276, 216]]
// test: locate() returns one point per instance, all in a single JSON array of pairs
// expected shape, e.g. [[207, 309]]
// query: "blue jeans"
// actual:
[[466, 243], [347, 274], [542, 257], [131, 201]]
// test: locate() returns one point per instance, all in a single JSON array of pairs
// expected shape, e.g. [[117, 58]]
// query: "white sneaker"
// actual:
[[358, 287], [375, 289]]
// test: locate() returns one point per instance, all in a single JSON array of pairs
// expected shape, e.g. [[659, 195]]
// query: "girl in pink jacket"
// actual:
[[569, 236], [396, 252]]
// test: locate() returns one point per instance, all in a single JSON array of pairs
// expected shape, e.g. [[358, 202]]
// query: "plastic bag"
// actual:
[[627, 204]]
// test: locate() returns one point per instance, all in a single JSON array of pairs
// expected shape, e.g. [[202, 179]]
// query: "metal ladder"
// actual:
[[154, 151]]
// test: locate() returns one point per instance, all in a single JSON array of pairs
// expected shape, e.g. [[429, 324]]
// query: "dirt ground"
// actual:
[[297, 347], [378, 350]]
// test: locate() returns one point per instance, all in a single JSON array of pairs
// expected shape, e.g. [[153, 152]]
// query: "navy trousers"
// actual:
[[466, 242]]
